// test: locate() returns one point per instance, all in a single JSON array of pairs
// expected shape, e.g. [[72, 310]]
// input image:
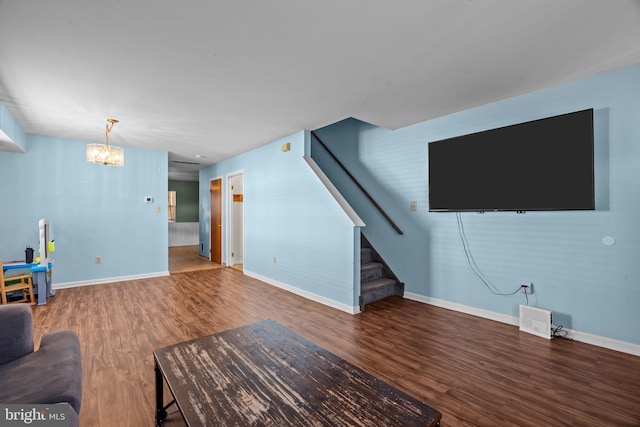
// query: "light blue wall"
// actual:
[[10, 126], [94, 210], [590, 287], [288, 214]]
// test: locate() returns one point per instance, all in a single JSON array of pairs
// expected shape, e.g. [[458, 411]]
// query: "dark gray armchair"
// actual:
[[51, 375]]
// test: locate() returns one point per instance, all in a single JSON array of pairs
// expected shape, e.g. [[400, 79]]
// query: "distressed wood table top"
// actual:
[[264, 374]]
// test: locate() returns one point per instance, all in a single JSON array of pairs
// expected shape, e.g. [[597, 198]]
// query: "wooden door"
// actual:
[[216, 220]]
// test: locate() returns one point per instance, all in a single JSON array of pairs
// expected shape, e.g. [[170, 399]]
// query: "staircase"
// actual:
[[377, 281]]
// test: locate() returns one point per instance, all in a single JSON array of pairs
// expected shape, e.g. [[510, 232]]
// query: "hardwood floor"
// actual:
[[186, 258], [476, 372]]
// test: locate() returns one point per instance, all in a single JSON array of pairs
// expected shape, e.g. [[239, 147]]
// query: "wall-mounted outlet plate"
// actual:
[[527, 287]]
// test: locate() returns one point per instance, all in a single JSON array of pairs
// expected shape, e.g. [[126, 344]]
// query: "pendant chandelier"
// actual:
[[105, 154]]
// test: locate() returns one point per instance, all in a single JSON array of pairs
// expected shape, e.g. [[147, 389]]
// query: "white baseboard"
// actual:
[[108, 280], [306, 294], [486, 314], [600, 341]]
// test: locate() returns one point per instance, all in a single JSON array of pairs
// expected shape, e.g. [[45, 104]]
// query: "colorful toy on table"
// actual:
[[51, 247]]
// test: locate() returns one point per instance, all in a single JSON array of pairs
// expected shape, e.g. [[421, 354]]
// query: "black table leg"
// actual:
[[161, 412]]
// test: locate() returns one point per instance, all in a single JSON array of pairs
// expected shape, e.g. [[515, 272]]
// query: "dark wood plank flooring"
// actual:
[[476, 372]]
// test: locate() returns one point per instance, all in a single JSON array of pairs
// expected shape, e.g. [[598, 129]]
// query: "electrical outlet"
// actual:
[[98, 260], [527, 287], [274, 260]]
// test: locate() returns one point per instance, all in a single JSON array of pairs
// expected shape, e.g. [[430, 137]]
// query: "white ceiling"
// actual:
[[218, 78]]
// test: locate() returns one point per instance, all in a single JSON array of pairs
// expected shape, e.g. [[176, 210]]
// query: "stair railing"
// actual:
[[366, 193]]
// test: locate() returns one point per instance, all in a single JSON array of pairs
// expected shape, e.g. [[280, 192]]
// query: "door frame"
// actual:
[[229, 224], [215, 230]]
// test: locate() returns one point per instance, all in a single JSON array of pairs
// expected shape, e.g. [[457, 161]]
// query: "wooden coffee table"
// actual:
[[264, 374]]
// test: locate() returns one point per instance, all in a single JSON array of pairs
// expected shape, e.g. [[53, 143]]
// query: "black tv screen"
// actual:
[[544, 164]]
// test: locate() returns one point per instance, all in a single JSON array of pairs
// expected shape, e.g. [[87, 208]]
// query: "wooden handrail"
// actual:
[[366, 193]]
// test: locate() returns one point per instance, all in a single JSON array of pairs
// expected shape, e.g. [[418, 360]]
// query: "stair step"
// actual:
[[372, 265], [366, 255], [371, 271], [377, 284], [377, 281]]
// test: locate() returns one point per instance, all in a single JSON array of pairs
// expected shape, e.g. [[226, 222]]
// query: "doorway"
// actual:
[[235, 254], [216, 220]]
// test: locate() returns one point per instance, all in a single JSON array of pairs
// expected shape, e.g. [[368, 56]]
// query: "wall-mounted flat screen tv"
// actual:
[[545, 164]]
